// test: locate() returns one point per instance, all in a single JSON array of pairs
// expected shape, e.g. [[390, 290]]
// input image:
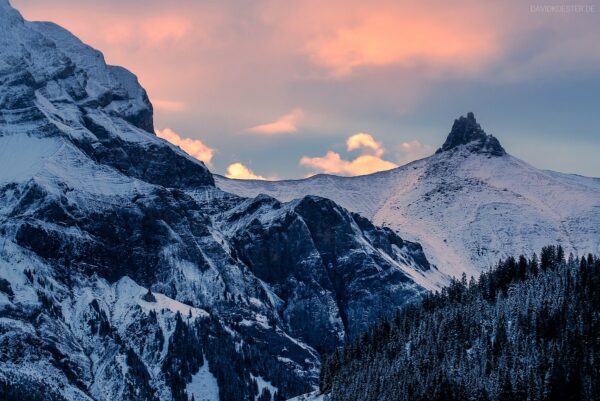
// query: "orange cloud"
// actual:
[[370, 161], [193, 147], [332, 162], [364, 141], [239, 171], [283, 125]]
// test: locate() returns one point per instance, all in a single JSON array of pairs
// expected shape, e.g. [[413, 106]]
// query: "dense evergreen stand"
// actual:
[[527, 330]]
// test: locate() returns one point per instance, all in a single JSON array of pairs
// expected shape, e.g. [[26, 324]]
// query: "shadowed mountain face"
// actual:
[[311, 245], [126, 275]]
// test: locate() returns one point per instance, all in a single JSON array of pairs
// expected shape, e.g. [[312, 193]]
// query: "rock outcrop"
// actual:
[[467, 132]]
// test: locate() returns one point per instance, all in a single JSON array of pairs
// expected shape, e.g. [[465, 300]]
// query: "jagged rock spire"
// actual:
[[467, 131]]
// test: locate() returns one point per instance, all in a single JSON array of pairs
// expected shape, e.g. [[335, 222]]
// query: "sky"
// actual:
[[286, 89]]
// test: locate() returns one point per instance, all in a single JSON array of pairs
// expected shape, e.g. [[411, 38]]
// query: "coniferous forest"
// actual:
[[527, 330]]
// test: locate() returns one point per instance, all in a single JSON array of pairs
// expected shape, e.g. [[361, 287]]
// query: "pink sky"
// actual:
[[228, 72]]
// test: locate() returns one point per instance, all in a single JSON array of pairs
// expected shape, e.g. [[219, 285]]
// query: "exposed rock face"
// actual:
[[309, 253], [95, 210], [467, 131], [149, 297]]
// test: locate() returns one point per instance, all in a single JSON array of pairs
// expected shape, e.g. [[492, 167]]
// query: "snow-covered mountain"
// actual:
[[469, 204], [125, 274]]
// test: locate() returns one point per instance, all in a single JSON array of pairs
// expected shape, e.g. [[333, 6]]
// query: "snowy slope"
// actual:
[[204, 386], [467, 208]]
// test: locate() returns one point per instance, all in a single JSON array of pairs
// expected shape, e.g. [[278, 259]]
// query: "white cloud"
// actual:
[[193, 147], [239, 171], [283, 125]]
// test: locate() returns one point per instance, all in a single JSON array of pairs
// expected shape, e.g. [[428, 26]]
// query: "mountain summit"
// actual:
[[57, 89], [467, 131]]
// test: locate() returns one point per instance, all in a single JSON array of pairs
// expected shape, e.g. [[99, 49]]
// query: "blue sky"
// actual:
[[282, 89]]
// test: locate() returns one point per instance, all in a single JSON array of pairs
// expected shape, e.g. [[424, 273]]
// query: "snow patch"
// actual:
[[130, 293], [23, 156], [204, 386], [263, 384]]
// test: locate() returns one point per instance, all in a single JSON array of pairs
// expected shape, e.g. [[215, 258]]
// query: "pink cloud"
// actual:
[[193, 147], [159, 42], [344, 36], [217, 57], [285, 124], [161, 30], [385, 37], [222, 64]]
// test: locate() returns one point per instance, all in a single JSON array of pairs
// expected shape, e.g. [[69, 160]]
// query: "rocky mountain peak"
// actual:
[[467, 131], [55, 87]]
